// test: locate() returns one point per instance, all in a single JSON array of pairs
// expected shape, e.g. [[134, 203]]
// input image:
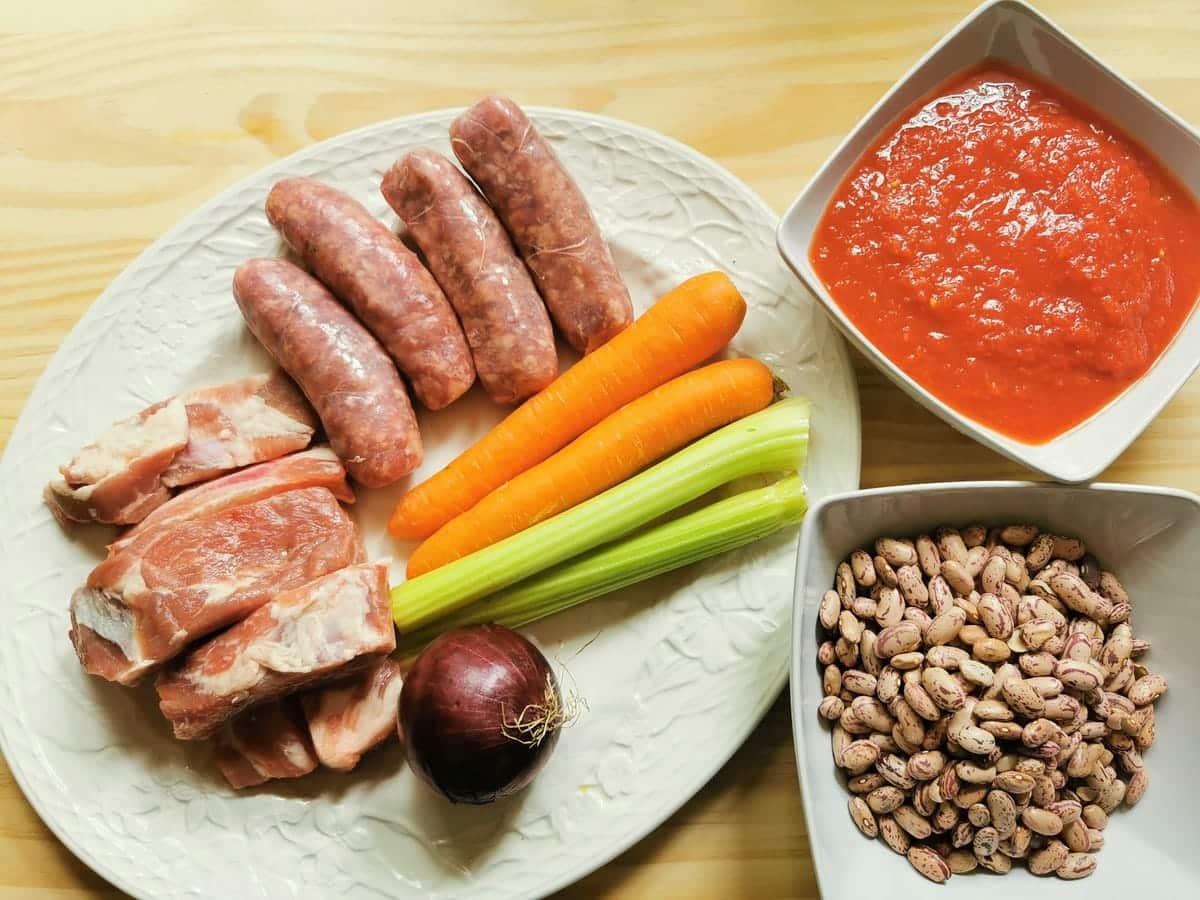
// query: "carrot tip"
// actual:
[[403, 530]]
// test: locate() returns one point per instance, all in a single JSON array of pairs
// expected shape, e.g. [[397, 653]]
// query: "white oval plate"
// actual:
[[675, 673]]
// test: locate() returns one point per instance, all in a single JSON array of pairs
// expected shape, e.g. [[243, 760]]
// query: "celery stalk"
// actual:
[[773, 440], [717, 528]]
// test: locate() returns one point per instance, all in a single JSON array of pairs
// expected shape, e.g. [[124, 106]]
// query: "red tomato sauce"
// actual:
[[1018, 256]]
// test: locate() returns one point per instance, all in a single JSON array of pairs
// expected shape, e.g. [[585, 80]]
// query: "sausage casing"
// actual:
[[368, 267], [341, 368], [548, 218], [473, 260]]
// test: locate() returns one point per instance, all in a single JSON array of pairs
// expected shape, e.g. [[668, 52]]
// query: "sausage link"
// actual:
[[343, 371], [367, 266], [548, 218], [473, 260]]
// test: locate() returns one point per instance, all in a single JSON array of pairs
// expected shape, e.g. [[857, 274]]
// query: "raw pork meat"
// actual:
[[318, 467], [340, 723], [269, 741], [129, 471], [329, 628], [347, 719], [233, 425], [118, 479], [142, 606]]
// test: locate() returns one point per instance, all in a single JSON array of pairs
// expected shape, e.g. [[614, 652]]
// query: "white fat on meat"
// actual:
[[129, 471], [105, 612], [127, 440], [327, 629], [347, 719], [236, 424], [229, 448], [188, 579], [108, 617], [118, 478]]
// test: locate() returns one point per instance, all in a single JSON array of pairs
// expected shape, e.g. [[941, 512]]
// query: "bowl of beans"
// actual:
[[980, 688]]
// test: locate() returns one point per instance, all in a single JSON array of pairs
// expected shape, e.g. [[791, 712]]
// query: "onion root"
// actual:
[[537, 720]]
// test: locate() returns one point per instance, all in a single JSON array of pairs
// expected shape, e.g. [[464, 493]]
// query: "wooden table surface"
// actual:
[[117, 118]]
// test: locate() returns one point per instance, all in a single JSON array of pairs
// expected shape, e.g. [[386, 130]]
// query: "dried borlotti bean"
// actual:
[[885, 799], [896, 552], [1049, 859], [884, 572], [929, 863], [864, 784], [961, 862], [1076, 865], [864, 819], [987, 698], [863, 568], [893, 835]]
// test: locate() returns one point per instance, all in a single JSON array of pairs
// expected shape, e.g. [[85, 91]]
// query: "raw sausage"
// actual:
[[366, 265], [548, 218], [473, 260], [343, 371]]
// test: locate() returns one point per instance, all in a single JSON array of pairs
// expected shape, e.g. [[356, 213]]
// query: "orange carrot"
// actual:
[[684, 328], [639, 433]]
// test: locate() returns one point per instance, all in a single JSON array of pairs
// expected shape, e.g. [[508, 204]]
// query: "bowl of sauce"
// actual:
[[1020, 262]]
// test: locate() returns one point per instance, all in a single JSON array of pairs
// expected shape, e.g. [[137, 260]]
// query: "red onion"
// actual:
[[480, 712]]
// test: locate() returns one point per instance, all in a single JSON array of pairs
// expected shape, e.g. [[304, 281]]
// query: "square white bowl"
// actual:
[[1147, 536], [1015, 33]]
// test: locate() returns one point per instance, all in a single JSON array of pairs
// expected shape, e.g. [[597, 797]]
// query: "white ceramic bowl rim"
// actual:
[[802, 636], [1082, 452]]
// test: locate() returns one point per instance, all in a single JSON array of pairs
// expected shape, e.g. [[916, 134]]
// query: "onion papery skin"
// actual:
[[461, 708]]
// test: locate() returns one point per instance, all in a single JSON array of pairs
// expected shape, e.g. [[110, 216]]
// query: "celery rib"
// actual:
[[715, 529], [773, 440]]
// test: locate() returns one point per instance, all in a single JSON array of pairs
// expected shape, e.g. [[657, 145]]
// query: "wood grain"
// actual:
[[118, 118]]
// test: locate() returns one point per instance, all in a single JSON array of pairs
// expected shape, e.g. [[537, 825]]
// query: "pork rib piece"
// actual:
[[129, 470], [233, 425], [141, 607], [118, 479], [318, 467], [340, 723], [269, 741], [332, 627], [347, 719]]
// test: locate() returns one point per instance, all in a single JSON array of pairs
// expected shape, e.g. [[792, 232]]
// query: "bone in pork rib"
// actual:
[[326, 629], [145, 604], [130, 469], [340, 723], [118, 479]]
